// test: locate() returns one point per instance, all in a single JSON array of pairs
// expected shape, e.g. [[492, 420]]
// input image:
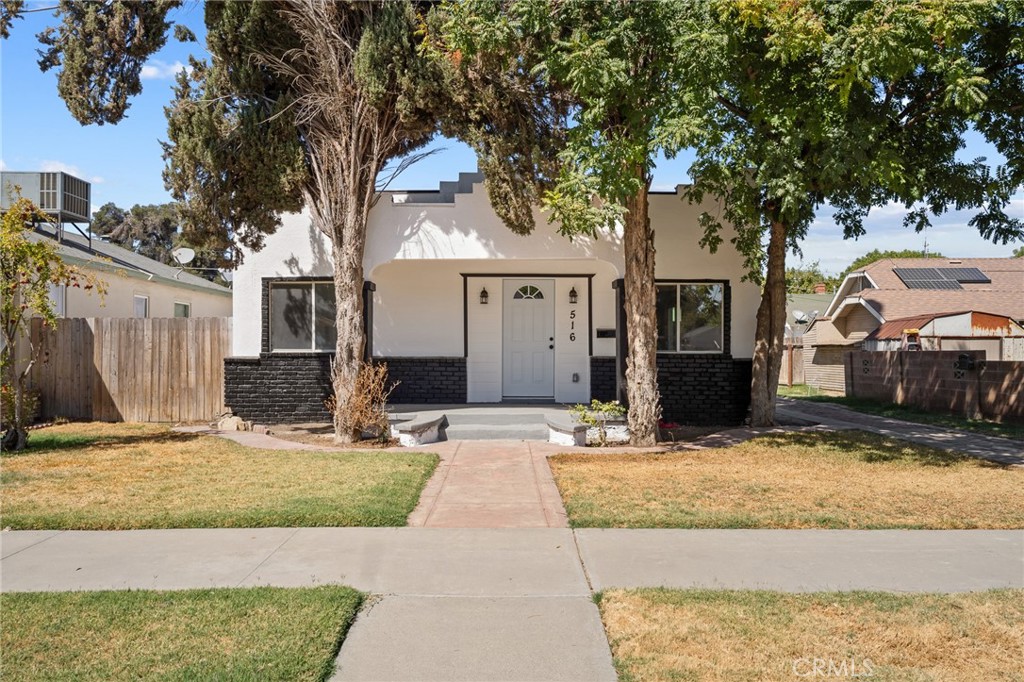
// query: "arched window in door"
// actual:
[[528, 292]]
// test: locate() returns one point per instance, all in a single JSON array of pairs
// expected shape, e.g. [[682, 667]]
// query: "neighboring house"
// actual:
[[892, 289], [801, 310], [463, 310], [136, 286], [1000, 337]]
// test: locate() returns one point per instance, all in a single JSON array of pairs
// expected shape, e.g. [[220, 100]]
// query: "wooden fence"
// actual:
[[145, 370]]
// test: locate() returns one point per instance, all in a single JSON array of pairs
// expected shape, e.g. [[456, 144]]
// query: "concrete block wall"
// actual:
[[939, 381]]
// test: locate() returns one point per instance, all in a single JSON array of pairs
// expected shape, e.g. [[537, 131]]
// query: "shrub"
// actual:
[[598, 414], [29, 405], [370, 400]]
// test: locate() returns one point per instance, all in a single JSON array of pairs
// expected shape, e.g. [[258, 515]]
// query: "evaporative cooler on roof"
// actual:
[[940, 278]]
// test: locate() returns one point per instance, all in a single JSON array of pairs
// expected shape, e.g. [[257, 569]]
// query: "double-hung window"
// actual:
[[690, 317], [302, 316]]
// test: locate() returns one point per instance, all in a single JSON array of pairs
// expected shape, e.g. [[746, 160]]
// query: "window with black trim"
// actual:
[[302, 316], [690, 317]]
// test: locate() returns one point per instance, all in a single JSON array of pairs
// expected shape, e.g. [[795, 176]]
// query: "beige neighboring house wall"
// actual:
[[122, 290], [823, 359], [128, 275]]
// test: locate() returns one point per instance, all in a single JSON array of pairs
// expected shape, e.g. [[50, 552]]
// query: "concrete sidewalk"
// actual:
[[502, 604], [538, 562]]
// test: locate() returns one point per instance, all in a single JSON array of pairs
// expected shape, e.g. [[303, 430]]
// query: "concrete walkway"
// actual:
[[490, 484], [1001, 450]]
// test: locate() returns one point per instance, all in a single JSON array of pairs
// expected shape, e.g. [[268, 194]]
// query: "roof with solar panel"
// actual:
[[905, 287]]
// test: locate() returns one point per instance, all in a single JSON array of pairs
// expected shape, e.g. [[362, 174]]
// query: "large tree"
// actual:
[[152, 230], [875, 255], [301, 104], [854, 105], [617, 67], [804, 279]]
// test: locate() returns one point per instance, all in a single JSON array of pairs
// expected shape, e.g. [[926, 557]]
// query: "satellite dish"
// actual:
[[800, 317], [183, 255], [228, 275]]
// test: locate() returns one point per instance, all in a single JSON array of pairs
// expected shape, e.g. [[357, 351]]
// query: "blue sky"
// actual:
[[124, 161]]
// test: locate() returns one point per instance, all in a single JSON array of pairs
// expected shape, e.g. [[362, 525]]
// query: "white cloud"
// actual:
[[159, 70], [61, 167], [3, 165]]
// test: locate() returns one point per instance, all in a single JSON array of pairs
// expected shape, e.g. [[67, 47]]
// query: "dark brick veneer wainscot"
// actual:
[[695, 389], [291, 388], [704, 389], [279, 389], [602, 378]]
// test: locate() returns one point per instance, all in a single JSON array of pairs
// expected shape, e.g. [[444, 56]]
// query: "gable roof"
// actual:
[[892, 299], [104, 255]]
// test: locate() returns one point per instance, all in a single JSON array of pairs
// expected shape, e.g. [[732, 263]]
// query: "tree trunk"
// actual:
[[771, 325], [16, 436], [641, 322], [348, 358], [341, 213]]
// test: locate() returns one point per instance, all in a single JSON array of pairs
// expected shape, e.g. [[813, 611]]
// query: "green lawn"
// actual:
[[906, 413], [845, 479], [240, 634], [727, 636], [117, 476]]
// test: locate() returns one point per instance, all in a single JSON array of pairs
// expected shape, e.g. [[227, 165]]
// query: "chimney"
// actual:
[[820, 288]]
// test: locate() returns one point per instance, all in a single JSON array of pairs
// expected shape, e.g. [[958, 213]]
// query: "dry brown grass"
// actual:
[[793, 480], [727, 636], [110, 476]]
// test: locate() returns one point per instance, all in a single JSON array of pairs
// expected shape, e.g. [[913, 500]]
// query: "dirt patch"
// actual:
[[323, 434]]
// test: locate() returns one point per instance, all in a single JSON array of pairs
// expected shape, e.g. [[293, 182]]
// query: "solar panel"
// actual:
[[966, 275], [933, 284], [909, 275], [940, 278]]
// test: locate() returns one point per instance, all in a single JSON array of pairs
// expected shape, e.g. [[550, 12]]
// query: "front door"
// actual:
[[528, 356]]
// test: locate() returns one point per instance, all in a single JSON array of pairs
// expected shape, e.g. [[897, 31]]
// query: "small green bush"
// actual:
[[30, 405]]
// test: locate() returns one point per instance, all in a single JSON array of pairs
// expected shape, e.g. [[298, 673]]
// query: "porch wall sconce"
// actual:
[[484, 296], [573, 296]]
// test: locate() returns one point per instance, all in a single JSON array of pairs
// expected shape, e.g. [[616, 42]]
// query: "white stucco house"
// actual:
[[465, 311]]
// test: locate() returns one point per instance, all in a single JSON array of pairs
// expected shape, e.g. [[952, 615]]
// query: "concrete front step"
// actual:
[[498, 432], [491, 422]]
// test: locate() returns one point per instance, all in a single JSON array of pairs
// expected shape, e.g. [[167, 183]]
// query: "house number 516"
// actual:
[[572, 325]]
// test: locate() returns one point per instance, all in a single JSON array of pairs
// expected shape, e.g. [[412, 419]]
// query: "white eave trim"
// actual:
[[841, 295], [857, 300]]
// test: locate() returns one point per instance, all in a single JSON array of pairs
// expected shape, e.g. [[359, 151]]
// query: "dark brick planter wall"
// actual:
[[427, 380], [704, 389], [278, 389], [290, 389], [602, 378]]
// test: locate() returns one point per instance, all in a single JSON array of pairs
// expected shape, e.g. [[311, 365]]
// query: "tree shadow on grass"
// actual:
[[41, 442], [875, 449]]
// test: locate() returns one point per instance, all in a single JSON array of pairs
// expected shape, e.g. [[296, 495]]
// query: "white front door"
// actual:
[[528, 357]]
